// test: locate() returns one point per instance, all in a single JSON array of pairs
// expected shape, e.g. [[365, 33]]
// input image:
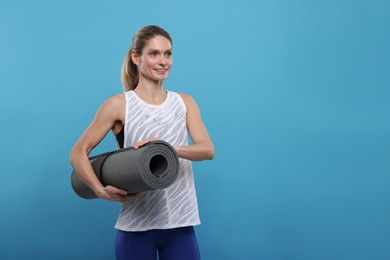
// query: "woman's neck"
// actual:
[[151, 91]]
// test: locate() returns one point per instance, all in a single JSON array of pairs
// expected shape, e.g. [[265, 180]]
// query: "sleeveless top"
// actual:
[[176, 205]]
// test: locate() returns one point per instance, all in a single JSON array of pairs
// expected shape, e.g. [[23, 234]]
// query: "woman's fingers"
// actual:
[[145, 141], [115, 190], [116, 194], [141, 143], [131, 196]]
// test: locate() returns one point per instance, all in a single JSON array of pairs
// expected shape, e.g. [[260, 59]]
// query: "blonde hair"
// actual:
[[129, 73]]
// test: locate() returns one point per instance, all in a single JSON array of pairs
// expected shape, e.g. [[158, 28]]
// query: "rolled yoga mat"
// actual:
[[150, 167]]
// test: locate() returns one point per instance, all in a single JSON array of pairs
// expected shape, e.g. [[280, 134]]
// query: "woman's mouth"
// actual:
[[161, 70]]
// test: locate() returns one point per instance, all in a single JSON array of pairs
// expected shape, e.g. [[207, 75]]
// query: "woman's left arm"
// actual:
[[202, 147]]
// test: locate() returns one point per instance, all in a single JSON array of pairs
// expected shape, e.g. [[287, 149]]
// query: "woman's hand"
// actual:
[[115, 194], [145, 141]]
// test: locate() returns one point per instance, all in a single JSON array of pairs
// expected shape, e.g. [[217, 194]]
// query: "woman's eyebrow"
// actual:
[[159, 50]]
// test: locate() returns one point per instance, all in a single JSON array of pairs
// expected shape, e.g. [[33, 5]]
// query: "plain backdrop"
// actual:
[[294, 93]]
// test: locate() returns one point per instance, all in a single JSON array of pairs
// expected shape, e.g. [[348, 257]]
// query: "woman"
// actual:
[[153, 221]]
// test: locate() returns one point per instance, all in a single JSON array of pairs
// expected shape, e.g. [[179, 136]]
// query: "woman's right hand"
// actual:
[[115, 194]]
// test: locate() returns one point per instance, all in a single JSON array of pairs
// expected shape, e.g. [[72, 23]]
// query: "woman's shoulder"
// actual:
[[114, 104], [116, 100], [184, 96], [188, 100]]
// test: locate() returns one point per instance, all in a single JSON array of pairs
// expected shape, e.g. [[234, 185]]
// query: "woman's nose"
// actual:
[[162, 60]]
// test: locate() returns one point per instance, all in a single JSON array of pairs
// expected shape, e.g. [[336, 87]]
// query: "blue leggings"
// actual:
[[170, 244]]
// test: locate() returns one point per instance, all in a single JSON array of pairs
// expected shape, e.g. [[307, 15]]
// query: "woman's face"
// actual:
[[156, 59]]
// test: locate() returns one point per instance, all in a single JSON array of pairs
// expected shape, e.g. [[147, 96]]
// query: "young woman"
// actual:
[[159, 221]]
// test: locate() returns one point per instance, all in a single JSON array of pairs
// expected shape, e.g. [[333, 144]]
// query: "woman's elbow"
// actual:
[[210, 152], [72, 157]]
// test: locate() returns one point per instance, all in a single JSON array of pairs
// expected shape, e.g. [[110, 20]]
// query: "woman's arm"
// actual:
[[109, 115], [202, 147]]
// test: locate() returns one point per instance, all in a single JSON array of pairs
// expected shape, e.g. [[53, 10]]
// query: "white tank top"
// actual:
[[175, 206]]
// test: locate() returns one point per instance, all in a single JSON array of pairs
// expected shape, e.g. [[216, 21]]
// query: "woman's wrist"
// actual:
[[98, 190], [195, 152]]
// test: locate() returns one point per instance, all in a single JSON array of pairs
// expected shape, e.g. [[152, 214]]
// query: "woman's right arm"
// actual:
[[109, 115]]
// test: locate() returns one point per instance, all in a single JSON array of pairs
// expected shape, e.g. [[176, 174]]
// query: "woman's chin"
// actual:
[[160, 77]]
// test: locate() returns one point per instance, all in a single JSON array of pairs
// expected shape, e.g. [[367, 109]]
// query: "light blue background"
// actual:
[[295, 95]]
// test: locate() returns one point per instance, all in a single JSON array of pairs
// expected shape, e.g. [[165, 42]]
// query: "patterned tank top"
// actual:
[[175, 206]]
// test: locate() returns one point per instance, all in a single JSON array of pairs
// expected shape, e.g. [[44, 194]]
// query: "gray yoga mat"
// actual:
[[150, 167]]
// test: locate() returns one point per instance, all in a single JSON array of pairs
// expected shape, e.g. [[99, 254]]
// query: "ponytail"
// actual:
[[129, 73]]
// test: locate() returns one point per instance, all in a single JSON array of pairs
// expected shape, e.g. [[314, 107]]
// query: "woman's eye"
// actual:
[[154, 53], [168, 54]]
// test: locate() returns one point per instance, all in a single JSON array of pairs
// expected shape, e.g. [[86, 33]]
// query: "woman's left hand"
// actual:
[[145, 141]]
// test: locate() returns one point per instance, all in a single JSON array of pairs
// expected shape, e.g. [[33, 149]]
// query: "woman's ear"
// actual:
[[135, 57]]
